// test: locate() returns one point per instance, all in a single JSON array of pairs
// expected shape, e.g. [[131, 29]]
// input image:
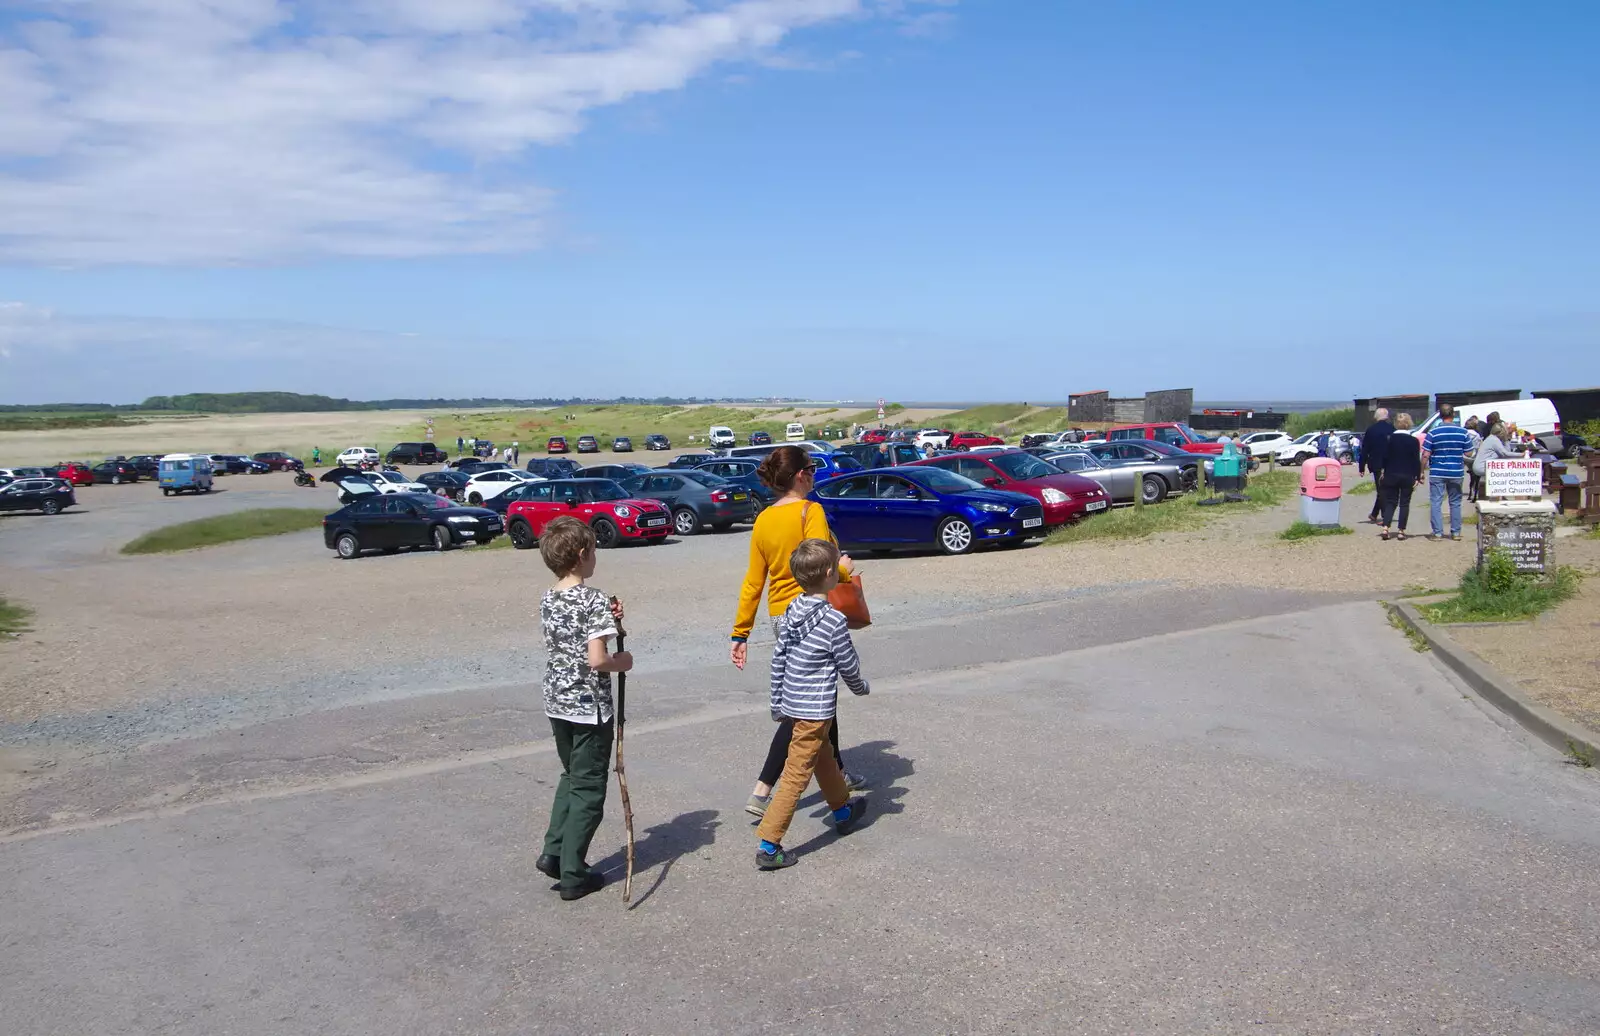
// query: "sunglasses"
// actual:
[[810, 469]]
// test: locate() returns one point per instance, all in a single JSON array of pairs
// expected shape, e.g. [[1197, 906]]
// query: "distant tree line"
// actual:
[[295, 402]]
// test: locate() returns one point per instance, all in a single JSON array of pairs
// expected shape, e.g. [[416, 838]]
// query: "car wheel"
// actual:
[[51, 507], [475, 499], [116, 480], [521, 534], [954, 536], [442, 539], [686, 522], [606, 535], [205, 489], [347, 545], [166, 492], [1153, 489], [1301, 458]]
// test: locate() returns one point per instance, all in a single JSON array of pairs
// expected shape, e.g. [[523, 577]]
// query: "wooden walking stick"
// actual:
[[622, 774]]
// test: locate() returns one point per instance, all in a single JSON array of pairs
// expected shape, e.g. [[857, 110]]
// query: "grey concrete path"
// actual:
[[1288, 822]]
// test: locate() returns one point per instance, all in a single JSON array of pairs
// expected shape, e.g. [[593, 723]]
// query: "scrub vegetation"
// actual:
[[226, 528]]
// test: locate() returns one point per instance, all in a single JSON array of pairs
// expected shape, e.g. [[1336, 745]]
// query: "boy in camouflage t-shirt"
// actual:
[[578, 622]]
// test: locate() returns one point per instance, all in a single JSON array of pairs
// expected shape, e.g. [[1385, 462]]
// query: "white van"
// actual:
[[794, 432], [722, 435], [1529, 415]]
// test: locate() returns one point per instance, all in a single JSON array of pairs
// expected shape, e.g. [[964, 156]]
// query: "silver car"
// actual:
[[1153, 480]]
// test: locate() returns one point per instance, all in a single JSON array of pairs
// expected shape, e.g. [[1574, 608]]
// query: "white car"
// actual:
[[933, 438], [990, 448], [1304, 448], [1261, 444], [486, 485], [394, 482], [356, 456]]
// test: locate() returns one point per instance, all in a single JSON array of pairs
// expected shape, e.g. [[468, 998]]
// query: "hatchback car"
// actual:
[[1149, 451], [1062, 496], [741, 471], [695, 498], [588, 444], [115, 472], [387, 522], [919, 507], [657, 442], [967, 440], [602, 504], [688, 460], [445, 483], [80, 474], [356, 456], [760, 439], [47, 495], [554, 467], [276, 460], [613, 471], [486, 485], [622, 444], [1149, 481], [557, 444]]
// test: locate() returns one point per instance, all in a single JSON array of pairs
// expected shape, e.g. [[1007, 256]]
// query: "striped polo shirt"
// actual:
[[1447, 446], [814, 652]]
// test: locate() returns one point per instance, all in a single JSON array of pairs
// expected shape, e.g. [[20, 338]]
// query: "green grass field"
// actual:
[[1306, 531], [226, 528], [1176, 514], [13, 619]]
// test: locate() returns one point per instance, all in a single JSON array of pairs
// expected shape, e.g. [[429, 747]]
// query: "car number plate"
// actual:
[[1032, 523], [1098, 505], [651, 523], [740, 497]]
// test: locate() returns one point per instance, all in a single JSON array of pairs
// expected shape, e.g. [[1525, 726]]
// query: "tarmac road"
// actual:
[[1286, 821]]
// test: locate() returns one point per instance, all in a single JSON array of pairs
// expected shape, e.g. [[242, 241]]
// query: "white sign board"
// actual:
[[1518, 477]]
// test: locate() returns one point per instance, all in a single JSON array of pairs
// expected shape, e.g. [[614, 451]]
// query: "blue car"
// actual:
[[919, 508]]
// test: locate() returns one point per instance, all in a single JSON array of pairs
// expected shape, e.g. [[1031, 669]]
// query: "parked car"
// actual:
[[605, 506], [657, 442], [275, 460], [253, 466], [28, 472], [921, 506], [147, 464], [873, 436], [445, 483], [231, 464], [741, 471], [387, 481], [557, 444], [46, 495], [115, 472], [934, 438], [1148, 451], [387, 522], [968, 440], [1062, 495], [588, 444], [622, 444], [882, 455], [415, 453], [475, 465], [1151, 481], [1173, 433], [185, 473], [486, 485], [794, 431], [76, 474], [356, 456], [760, 439], [1303, 448], [554, 467], [695, 498], [1264, 444], [721, 435], [687, 460], [613, 471]]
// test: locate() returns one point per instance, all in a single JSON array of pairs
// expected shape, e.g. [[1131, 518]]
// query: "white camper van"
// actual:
[[1529, 415], [794, 432]]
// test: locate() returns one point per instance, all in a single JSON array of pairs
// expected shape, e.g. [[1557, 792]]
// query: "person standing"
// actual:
[[516, 452], [1444, 450], [461, 446], [1374, 449], [1322, 443], [1494, 447], [1470, 486], [316, 456], [1402, 471]]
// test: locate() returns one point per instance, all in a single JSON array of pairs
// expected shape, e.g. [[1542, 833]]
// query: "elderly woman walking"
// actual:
[[779, 528], [1402, 473]]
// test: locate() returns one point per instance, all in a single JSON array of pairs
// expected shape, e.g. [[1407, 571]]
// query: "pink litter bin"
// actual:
[[1321, 486]]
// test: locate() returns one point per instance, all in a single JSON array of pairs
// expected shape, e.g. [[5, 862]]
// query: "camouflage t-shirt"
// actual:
[[571, 618]]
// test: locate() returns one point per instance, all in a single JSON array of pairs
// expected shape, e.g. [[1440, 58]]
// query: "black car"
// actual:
[[147, 464], [695, 498], [741, 471], [473, 465], [688, 460], [446, 483], [49, 495], [622, 444], [588, 444], [389, 521], [617, 472], [115, 472], [415, 453], [657, 442], [760, 438], [554, 467]]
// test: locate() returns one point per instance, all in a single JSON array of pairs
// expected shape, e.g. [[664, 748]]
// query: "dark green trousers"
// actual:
[[580, 803]]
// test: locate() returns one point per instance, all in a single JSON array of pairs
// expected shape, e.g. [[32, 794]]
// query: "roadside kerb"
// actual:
[[1566, 736]]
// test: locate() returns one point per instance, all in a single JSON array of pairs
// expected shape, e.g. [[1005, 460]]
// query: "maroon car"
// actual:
[[1063, 496]]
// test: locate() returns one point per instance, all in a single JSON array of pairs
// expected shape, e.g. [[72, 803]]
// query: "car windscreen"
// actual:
[[705, 478], [1023, 465], [942, 481], [1192, 434], [600, 490], [429, 502]]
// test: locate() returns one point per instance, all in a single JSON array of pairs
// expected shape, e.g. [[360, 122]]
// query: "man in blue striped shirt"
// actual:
[[1445, 450], [813, 653]]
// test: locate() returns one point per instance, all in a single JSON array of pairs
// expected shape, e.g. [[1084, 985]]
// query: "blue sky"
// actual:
[[920, 199]]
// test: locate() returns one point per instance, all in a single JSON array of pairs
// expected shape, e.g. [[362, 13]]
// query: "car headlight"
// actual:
[[1056, 496], [623, 511], [462, 519], [994, 508]]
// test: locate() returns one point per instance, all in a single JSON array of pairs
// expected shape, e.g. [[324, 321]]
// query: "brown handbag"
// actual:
[[848, 597]]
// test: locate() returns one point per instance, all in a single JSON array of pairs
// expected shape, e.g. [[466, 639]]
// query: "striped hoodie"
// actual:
[[814, 651]]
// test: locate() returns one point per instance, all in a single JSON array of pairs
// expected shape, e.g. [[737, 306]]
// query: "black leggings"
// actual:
[[778, 754], [1397, 496]]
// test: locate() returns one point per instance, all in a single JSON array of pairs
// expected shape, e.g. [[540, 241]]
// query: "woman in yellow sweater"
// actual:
[[779, 529]]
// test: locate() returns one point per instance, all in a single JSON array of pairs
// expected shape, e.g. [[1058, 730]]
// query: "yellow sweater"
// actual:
[[776, 534]]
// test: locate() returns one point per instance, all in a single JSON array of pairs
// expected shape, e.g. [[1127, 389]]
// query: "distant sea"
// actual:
[[1280, 406]]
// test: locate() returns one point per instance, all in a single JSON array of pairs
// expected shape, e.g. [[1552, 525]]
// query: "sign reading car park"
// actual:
[[1514, 477]]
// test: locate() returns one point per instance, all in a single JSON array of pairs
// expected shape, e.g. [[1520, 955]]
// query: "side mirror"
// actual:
[[993, 482]]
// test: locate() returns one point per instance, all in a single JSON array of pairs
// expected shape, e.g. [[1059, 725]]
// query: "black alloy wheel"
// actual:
[[521, 534]]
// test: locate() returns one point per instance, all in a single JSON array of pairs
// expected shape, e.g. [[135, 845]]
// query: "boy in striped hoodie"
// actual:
[[814, 652]]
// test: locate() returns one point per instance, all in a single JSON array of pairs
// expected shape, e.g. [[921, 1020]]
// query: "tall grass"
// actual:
[[1177, 513], [225, 528], [1499, 593], [1317, 420]]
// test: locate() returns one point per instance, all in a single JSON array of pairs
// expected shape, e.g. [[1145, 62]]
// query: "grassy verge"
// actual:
[[1364, 488], [1419, 643], [1305, 531], [1177, 513], [13, 619], [226, 528], [1499, 593]]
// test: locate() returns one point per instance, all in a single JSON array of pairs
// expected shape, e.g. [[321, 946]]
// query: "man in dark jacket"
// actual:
[[1374, 447]]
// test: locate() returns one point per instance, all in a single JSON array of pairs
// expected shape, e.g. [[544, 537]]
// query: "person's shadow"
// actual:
[[885, 772], [662, 844]]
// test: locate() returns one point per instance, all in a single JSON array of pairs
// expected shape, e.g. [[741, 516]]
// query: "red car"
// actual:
[[557, 444], [614, 516], [967, 440], [75, 474], [874, 436], [1173, 433], [1063, 496]]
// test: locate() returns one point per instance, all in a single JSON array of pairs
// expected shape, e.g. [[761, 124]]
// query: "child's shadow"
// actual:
[[662, 844], [883, 770]]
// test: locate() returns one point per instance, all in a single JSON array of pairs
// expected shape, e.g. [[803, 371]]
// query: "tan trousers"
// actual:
[[809, 752]]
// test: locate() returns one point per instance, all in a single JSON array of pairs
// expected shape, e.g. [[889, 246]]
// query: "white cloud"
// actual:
[[245, 131]]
